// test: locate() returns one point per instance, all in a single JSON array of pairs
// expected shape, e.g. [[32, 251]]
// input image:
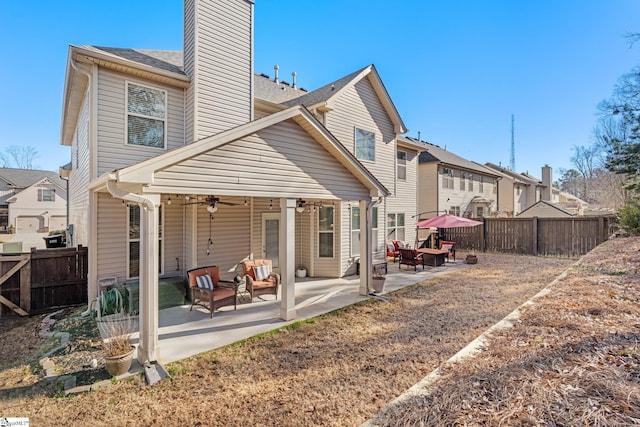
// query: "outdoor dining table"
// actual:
[[434, 257]]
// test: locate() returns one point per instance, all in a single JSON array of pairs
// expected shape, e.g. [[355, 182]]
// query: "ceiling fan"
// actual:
[[213, 203]]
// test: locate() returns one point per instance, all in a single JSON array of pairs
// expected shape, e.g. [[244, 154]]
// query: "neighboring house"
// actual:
[[544, 209], [32, 201], [450, 183], [185, 159], [516, 192]]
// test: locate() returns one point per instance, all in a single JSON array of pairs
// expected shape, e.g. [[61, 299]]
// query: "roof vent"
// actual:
[[276, 68], [293, 75]]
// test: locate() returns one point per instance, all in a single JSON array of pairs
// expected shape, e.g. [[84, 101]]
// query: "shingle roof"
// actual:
[[325, 92], [23, 178], [437, 154], [515, 175], [168, 60], [267, 89]]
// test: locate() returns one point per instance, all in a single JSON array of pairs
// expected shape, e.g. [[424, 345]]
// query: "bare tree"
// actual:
[[585, 160], [20, 157]]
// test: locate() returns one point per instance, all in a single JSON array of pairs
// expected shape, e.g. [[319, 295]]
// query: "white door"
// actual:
[[271, 238]]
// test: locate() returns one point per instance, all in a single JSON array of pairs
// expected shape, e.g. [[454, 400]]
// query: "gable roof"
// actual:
[[267, 89], [435, 154], [548, 204], [19, 179], [520, 178], [323, 96], [142, 173]]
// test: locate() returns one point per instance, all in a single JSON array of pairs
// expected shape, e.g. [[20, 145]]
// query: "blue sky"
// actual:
[[456, 70]]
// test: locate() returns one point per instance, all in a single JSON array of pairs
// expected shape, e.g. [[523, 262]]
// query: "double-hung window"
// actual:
[[447, 178], [326, 230], [356, 227], [146, 116], [365, 145], [134, 240], [454, 210], [46, 195], [470, 178], [402, 165], [395, 222], [481, 184], [463, 179]]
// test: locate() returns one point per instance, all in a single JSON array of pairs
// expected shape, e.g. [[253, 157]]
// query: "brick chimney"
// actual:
[[218, 56]]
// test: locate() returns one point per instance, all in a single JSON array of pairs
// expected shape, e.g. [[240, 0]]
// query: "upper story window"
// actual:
[[402, 165], [365, 145], [463, 179], [481, 184], [46, 195], [146, 116], [470, 184], [447, 178]]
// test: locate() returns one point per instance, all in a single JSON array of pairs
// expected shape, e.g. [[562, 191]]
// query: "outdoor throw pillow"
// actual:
[[205, 282], [262, 272]]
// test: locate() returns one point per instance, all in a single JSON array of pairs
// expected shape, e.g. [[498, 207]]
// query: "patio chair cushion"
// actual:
[[205, 281], [261, 272], [255, 286]]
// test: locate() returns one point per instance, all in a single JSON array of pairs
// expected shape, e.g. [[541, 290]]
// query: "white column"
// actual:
[[365, 247], [148, 344], [287, 258]]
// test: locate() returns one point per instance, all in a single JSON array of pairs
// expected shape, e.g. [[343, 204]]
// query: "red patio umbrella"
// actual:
[[448, 221]]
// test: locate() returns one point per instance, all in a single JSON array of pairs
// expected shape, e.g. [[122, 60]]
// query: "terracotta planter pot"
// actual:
[[118, 365]]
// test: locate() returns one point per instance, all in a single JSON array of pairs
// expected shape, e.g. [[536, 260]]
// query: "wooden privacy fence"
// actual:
[[563, 237], [42, 279]]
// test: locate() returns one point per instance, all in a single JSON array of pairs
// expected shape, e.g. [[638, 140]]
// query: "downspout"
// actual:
[[148, 345]]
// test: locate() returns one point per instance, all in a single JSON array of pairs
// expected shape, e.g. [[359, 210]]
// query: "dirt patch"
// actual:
[[339, 369]]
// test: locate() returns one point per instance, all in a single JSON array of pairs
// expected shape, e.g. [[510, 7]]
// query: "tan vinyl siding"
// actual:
[[405, 200], [79, 179], [218, 57], [111, 247], [280, 161], [230, 235], [360, 107], [113, 153], [429, 186], [173, 240]]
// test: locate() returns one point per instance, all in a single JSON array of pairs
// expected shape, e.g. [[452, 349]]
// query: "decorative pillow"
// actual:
[[261, 273], [391, 248], [205, 281], [401, 244]]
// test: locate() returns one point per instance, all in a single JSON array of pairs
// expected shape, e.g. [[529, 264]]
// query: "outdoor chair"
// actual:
[[449, 246], [393, 250], [260, 278], [209, 291], [411, 257]]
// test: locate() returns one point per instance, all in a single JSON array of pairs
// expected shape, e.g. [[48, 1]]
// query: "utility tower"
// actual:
[[512, 162]]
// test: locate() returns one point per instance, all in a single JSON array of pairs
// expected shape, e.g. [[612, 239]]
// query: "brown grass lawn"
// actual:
[[574, 354]]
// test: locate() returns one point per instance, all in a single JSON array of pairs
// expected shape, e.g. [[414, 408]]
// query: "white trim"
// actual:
[[127, 113]]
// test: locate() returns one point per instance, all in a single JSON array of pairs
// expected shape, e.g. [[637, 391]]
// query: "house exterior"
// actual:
[[516, 192], [452, 184], [186, 159], [32, 201]]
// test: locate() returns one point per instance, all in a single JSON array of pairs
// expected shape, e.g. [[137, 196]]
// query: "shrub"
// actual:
[[630, 216]]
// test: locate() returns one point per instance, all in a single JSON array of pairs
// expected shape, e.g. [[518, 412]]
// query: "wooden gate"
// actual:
[[38, 281]]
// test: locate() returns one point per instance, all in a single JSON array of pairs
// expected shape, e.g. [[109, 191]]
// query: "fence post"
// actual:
[[602, 235], [25, 285], [534, 240], [483, 237]]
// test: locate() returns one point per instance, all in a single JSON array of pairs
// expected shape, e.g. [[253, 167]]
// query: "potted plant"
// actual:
[[117, 347], [379, 276]]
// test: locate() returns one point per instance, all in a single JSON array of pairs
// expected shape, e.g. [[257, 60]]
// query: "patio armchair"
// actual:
[[449, 246], [393, 250], [410, 257], [207, 290], [260, 278]]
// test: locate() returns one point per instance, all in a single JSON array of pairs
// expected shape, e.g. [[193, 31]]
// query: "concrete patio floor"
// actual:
[[184, 333]]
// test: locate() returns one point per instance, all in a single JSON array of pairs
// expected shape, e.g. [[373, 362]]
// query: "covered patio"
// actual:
[[183, 333]]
